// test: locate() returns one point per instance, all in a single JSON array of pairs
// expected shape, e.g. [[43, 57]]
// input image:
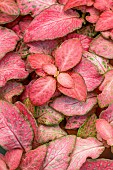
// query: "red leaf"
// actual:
[[79, 91], [12, 67], [74, 3], [102, 47], [13, 133], [46, 25], [50, 69], [12, 158], [105, 21], [84, 148], [68, 54], [8, 41], [103, 5], [97, 164], [34, 7], [65, 80], [42, 90], [5, 18], [12, 88], [25, 22], [34, 159], [72, 107], [9, 7], [59, 151]]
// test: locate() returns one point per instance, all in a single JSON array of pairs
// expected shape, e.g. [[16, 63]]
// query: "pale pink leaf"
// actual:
[[34, 7], [78, 91], [13, 158], [12, 67], [5, 18], [34, 159], [107, 114], [12, 88], [8, 41], [105, 130], [14, 134], [103, 5], [105, 21], [84, 148], [58, 155], [68, 54], [102, 47], [72, 107], [50, 69], [97, 164], [47, 134], [90, 74], [65, 80], [42, 90], [46, 25]]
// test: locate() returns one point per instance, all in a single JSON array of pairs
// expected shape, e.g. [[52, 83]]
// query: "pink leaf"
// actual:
[[12, 88], [68, 54], [97, 164], [72, 107], [108, 34], [74, 3], [9, 7], [105, 130], [13, 133], [5, 18], [106, 97], [94, 14], [12, 158], [50, 69], [107, 114], [34, 6], [34, 159], [103, 5], [42, 90], [12, 67], [63, 1], [8, 41], [90, 74], [79, 91], [46, 25], [65, 80], [84, 148], [25, 22], [105, 21], [58, 155], [3, 165], [48, 116], [102, 47], [47, 134]]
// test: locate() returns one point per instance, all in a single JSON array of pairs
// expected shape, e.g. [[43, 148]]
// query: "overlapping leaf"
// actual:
[[5, 18], [12, 67], [107, 114], [46, 25], [71, 107]]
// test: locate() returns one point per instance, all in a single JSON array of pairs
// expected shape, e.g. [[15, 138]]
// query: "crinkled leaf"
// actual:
[[102, 47], [74, 3], [101, 63], [85, 40], [58, 155], [105, 21], [5, 18], [65, 80], [9, 7], [13, 133], [34, 159], [97, 164], [11, 67], [71, 107], [107, 114], [42, 90], [106, 97], [47, 133], [29, 117], [75, 122], [105, 130], [48, 116], [34, 6], [78, 91], [88, 129], [12, 88], [13, 158], [94, 15], [84, 148], [46, 25], [50, 69], [68, 54], [103, 5], [45, 47], [8, 41], [90, 74]]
